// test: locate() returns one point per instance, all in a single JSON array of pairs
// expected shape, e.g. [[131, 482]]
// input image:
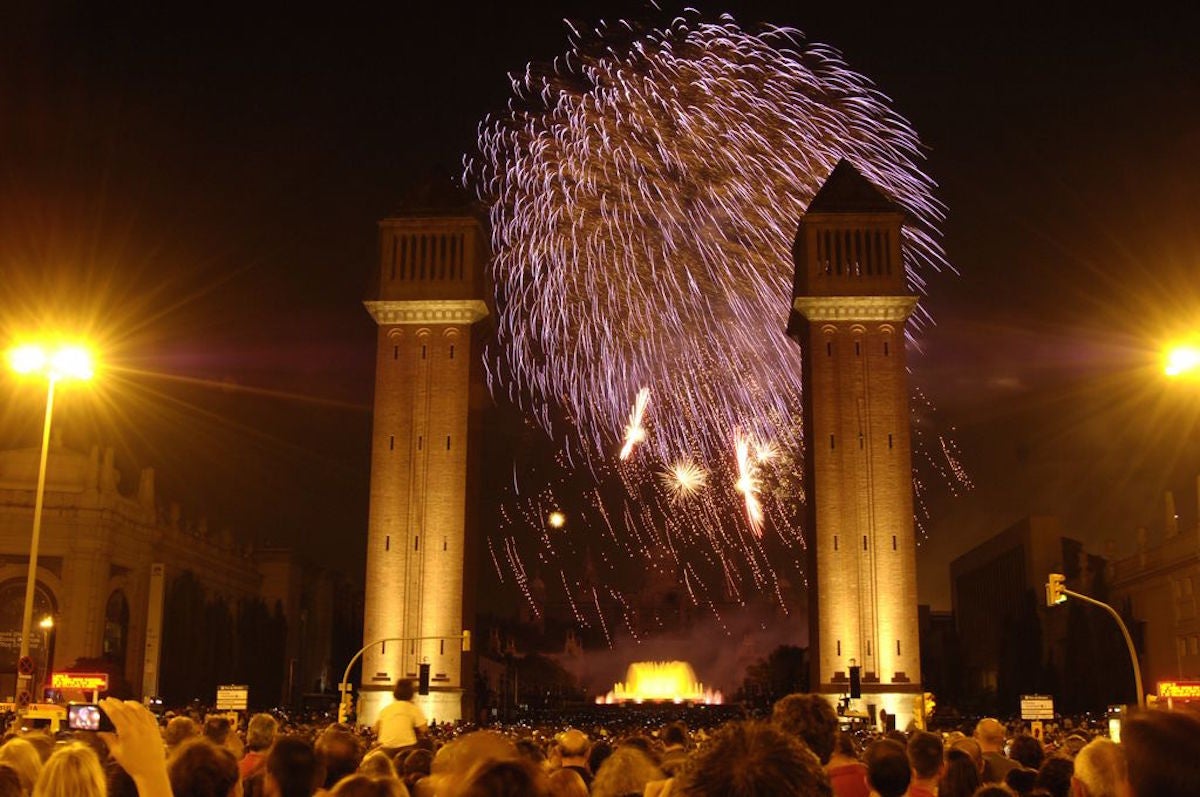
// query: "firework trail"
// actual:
[[747, 484], [644, 191], [635, 433]]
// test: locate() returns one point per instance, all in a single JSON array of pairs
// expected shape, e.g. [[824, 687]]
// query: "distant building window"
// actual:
[[886, 353], [829, 348], [835, 542], [387, 543], [893, 542], [832, 444], [423, 352], [395, 352], [897, 647], [1193, 645], [392, 443], [447, 442], [417, 543], [857, 349], [864, 542], [839, 647], [451, 351], [889, 441]]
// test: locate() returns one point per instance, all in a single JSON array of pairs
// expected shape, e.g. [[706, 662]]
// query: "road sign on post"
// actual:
[[1037, 707], [232, 697]]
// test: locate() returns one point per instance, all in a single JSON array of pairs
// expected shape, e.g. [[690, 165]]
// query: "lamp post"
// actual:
[[66, 362], [47, 626], [1182, 360]]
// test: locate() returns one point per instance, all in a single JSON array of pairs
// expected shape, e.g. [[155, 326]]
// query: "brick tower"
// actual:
[[849, 308], [430, 296]]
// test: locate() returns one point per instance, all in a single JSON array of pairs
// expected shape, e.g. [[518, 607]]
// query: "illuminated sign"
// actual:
[[89, 681], [1185, 689]]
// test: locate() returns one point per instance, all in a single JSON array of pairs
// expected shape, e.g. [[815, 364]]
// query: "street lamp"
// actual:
[[64, 362], [47, 625], [1183, 360]]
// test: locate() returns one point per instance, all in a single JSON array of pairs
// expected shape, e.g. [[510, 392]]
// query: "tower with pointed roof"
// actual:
[[427, 306], [849, 307]]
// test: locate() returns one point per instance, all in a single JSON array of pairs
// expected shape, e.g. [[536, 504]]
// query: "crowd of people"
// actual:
[[798, 750]]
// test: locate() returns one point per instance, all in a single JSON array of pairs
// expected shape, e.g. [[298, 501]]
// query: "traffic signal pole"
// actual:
[[344, 686], [1056, 592]]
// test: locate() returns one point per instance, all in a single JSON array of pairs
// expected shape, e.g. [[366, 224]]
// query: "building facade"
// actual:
[[116, 569], [849, 310], [429, 300]]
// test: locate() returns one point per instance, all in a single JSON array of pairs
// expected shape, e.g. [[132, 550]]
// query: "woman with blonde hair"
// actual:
[[25, 760], [72, 771]]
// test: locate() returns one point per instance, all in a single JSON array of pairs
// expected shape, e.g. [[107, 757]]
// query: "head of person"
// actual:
[[845, 746], [598, 753], [72, 771], [993, 790], [960, 777], [42, 741], [627, 770], [404, 689], [1162, 751], [531, 751], [925, 754], [217, 729], [364, 785], [376, 764], [416, 765], [675, 734], [455, 760], [339, 753], [199, 768], [10, 782], [888, 772], [572, 745], [179, 730], [990, 735], [811, 718], [752, 758], [1020, 779], [260, 732], [970, 748], [566, 783], [1054, 777], [24, 758], [1026, 751], [1100, 770], [293, 769], [514, 777]]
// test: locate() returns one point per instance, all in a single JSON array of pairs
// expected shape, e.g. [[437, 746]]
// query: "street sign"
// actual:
[[1179, 689], [1037, 707], [25, 665], [232, 697]]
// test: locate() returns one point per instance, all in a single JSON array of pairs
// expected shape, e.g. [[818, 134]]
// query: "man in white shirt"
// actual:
[[401, 723]]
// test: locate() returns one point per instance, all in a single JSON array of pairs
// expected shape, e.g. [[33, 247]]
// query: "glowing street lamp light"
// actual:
[[557, 520], [1183, 360], [64, 362]]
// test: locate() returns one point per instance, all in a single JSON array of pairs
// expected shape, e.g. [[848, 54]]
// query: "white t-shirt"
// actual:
[[398, 722]]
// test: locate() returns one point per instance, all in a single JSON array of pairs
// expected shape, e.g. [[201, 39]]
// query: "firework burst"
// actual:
[[644, 191]]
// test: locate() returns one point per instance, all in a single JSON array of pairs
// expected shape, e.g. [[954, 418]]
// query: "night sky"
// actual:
[[199, 192]]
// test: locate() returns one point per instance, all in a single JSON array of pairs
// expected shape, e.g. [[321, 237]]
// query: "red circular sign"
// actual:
[[25, 665], [24, 698]]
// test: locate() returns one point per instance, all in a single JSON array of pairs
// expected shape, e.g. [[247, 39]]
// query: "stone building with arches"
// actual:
[[107, 564]]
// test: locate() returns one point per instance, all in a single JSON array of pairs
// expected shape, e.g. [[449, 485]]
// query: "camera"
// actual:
[[87, 717]]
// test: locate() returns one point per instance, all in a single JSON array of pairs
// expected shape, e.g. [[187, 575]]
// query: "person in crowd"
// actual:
[[993, 790], [1054, 777], [888, 772], [970, 748], [137, 746], [847, 775], [573, 752], [454, 761], [567, 783], [375, 764], [1162, 753], [415, 767], [960, 776], [23, 757], [200, 768], [675, 748], [340, 753], [991, 736], [260, 735], [221, 731], [293, 769], [42, 741], [401, 722], [752, 758], [10, 782], [514, 777], [119, 784], [925, 759], [72, 771], [1021, 780], [179, 730], [532, 752], [597, 755], [364, 785], [1100, 770], [811, 718], [627, 770], [1027, 751], [1073, 744]]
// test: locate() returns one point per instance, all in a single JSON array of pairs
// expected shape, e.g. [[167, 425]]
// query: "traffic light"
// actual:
[[930, 705], [1054, 589], [855, 681], [919, 710], [466, 641], [423, 678]]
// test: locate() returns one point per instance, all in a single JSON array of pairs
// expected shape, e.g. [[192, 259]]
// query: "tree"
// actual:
[[783, 672]]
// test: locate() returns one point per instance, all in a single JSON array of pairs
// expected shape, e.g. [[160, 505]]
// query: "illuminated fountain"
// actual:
[[661, 682]]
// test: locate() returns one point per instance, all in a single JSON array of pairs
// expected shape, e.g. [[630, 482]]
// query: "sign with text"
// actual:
[[232, 697], [1037, 707], [1179, 689], [87, 681]]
